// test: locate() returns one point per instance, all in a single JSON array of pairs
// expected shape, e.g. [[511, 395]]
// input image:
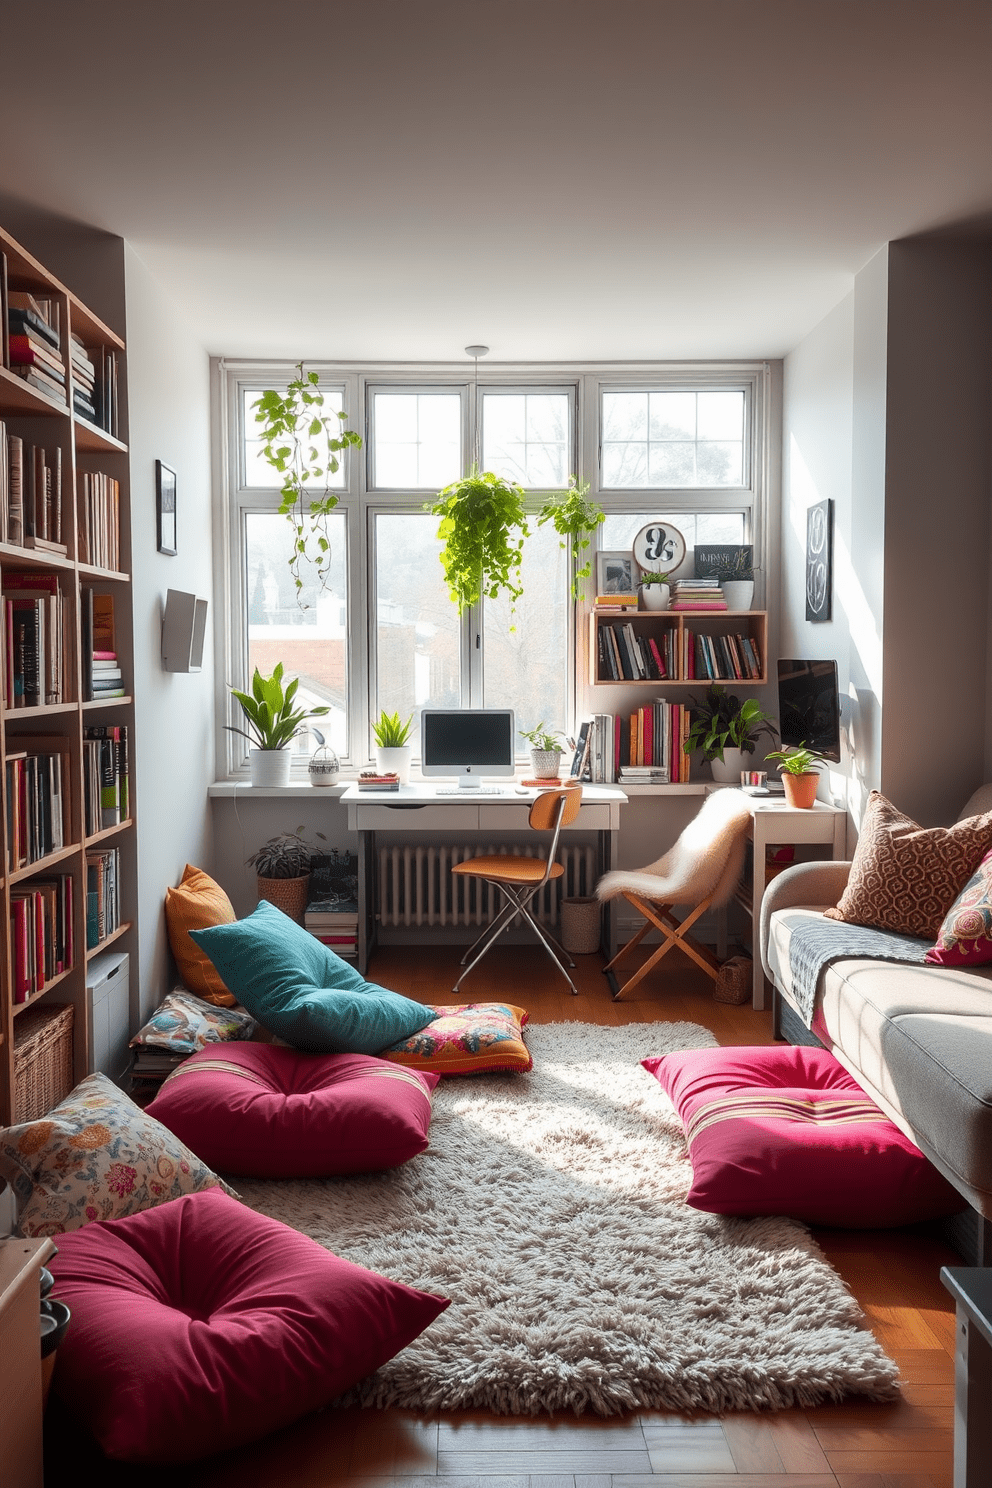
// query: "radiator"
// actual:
[[417, 887]]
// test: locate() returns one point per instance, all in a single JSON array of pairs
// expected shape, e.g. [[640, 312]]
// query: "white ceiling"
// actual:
[[555, 178]]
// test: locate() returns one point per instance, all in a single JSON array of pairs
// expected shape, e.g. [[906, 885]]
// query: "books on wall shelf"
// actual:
[[35, 655], [616, 601], [697, 594], [30, 494], [98, 536], [628, 655], [106, 779], [37, 780], [41, 936], [331, 915], [102, 675], [641, 748], [34, 341], [103, 915], [723, 658]]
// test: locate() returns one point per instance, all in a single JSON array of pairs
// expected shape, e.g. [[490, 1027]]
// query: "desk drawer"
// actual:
[[381, 818]]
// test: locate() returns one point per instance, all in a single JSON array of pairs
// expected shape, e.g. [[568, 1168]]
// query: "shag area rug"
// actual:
[[550, 1208]]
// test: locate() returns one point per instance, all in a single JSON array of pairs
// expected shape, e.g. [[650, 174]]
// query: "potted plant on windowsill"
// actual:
[[726, 730], [655, 591], [798, 775], [392, 755], [282, 867], [546, 749], [272, 722]]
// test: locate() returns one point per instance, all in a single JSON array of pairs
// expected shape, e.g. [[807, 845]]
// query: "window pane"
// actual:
[[258, 472], [310, 643], [526, 438], [525, 667], [675, 439], [619, 530], [416, 630], [417, 440]]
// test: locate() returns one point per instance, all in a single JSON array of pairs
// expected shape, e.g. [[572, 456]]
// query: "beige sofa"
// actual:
[[917, 1038]]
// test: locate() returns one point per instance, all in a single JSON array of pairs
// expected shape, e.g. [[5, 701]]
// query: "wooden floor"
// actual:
[[894, 1275]]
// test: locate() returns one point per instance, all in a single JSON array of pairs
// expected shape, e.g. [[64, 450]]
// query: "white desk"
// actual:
[[419, 808], [774, 823]]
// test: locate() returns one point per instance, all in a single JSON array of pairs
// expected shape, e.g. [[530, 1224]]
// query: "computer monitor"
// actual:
[[467, 742], [809, 706]]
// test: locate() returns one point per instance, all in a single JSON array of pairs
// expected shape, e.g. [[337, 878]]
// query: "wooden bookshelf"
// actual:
[[674, 632], [76, 442]]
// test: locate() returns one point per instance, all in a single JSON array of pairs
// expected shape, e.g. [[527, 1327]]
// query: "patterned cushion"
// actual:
[[965, 937], [299, 990], [467, 1039], [202, 1325], [905, 877], [185, 1023], [197, 903], [95, 1156], [272, 1112], [786, 1130]]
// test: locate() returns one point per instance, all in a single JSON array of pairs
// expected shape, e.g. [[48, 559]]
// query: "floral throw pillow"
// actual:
[[905, 877], [965, 937], [467, 1039], [95, 1156], [184, 1023]]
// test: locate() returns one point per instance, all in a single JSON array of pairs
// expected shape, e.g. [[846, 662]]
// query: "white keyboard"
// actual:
[[475, 790]]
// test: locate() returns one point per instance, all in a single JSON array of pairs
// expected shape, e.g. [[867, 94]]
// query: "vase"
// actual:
[[800, 790], [728, 770], [655, 596], [738, 593], [395, 761], [545, 763], [269, 766], [287, 894]]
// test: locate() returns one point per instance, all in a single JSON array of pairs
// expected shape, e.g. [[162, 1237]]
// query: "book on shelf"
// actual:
[[26, 351], [616, 601], [41, 938], [43, 312], [34, 639], [106, 789], [41, 384], [98, 537], [37, 777], [102, 895]]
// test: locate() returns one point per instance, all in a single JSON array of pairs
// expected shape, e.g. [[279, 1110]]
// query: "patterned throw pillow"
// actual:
[[184, 1023], [95, 1156], [467, 1039], [906, 877], [197, 903], [965, 937]]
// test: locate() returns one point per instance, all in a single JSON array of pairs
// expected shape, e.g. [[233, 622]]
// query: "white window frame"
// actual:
[[585, 385]]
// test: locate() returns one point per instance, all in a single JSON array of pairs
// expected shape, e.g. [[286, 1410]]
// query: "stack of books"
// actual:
[[83, 380], [630, 655], [643, 747], [331, 914], [35, 340], [370, 780], [102, 674], [103, 909], [698, 594], [33, 633], [37, 778], [616, 601], [155, 1065]]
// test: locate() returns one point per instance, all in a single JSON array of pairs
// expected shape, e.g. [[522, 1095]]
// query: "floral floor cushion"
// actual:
[[202, 1325], [184, 1023], [271, 1112], [467, 1039]]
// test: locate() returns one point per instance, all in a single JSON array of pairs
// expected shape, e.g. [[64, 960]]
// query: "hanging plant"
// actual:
[[483, 526], [574, 516], [302, 444]]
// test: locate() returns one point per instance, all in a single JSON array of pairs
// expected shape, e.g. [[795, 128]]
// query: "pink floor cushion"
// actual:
[[201, 1325], [270, 1112], [786, 1130]]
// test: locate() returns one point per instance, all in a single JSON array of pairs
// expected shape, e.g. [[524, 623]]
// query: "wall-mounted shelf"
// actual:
[[676, 647]]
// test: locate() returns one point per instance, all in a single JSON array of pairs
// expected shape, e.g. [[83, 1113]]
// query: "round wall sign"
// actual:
[[659, 548]]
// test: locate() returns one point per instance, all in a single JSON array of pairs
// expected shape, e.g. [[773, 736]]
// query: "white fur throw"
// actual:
[[707, 858]]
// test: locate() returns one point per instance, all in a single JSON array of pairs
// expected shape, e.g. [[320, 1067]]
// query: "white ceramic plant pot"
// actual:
[[269, 766], [738, 593], [655, 596], [545, 763], [728, 770], [395, 762]]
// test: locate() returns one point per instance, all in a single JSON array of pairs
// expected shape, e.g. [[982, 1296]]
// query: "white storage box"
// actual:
[[108, 995]]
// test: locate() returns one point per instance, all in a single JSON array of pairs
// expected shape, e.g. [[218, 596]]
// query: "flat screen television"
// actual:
[[809, 706], [470, 743]]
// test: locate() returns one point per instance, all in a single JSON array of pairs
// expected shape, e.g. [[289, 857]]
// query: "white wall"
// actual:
[[169, 392]]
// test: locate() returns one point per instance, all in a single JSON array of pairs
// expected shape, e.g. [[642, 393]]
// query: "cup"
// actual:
[[754, 777]]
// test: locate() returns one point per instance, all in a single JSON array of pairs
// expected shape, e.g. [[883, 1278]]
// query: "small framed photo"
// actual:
[[615, 573], [165, 491]]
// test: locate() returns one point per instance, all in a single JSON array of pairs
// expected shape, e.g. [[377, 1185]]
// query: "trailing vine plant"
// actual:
[[302, 444], [574, 516], [482, 528]]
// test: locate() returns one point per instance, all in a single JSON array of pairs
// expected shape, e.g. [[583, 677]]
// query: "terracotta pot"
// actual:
[[800, 790]]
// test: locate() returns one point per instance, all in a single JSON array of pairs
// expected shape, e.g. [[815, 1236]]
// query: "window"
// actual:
[[383, 633]]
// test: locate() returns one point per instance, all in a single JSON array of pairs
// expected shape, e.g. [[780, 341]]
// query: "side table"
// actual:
[[20, 1361], [971, 1288]]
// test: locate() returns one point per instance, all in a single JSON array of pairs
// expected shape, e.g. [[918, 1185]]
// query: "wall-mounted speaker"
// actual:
[[183, 628]]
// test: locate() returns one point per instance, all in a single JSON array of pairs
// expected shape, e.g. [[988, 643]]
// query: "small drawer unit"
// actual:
[[108, 995]]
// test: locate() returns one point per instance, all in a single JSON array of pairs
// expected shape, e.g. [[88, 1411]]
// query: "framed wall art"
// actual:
[[615, 573], [165, 495], [819, 559]]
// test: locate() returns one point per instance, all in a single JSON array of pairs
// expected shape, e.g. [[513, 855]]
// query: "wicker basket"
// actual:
[[42, 1059], [735, 981], [287, 894], [581, 926]]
